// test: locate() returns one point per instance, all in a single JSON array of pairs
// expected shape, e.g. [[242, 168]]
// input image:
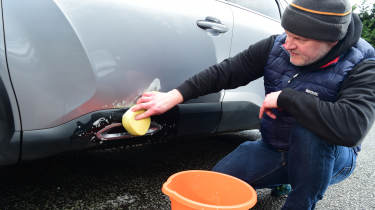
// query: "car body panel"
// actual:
[[113, 58]]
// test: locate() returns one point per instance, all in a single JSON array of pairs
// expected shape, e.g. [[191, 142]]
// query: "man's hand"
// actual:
[[269, 103], [157, 103]]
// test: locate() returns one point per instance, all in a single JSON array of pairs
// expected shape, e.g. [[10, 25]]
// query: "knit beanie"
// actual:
[[325, 20]]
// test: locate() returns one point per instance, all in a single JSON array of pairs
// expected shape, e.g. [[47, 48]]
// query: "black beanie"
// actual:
[[325, 20]]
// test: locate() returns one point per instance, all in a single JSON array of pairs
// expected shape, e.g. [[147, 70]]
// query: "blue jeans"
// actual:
[[310, 166]]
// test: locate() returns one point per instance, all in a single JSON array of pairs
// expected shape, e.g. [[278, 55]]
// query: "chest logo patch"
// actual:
[[311, 92]]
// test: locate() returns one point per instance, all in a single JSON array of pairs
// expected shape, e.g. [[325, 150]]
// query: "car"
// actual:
[[70, 69]]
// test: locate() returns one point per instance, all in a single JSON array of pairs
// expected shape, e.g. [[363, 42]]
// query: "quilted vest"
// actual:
[[324, 83]]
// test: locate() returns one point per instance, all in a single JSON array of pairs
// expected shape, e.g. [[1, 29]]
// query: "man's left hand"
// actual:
[[270, 102]]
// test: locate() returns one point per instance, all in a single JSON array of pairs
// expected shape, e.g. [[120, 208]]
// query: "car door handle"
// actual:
[[212, 24]]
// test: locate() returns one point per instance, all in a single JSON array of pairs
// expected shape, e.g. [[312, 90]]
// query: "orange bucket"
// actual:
[[199, 189]]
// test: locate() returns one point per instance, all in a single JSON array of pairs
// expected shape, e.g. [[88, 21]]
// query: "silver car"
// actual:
[[69, 69]]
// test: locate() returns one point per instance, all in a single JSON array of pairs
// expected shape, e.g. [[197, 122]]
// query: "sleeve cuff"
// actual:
[[285, 98], [186, 91]]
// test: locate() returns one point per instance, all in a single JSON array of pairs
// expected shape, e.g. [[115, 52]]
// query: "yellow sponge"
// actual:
[[133, 126]]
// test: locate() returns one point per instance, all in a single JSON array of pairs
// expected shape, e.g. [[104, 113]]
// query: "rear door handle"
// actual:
[[212, 24]]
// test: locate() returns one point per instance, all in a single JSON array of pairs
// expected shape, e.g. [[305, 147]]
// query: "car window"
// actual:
[[266, 7]]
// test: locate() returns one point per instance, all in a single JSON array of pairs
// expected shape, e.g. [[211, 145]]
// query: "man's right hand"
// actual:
[[157, 103]]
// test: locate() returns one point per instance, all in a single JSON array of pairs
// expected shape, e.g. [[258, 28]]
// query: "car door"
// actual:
[[253, 20], [68, 58]]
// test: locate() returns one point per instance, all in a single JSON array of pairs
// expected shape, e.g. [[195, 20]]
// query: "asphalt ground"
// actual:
[[132, 177]]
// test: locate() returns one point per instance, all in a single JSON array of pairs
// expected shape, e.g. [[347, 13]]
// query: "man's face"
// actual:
[[304, 51]]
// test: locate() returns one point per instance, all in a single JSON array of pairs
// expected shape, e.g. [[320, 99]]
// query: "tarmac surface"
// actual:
[[354, 193], [131, 177], [358, 191]]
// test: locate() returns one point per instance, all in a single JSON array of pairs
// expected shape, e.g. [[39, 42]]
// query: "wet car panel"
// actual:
[[80, 59]]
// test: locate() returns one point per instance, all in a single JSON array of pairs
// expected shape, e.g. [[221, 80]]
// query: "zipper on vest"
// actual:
[[294, 76]]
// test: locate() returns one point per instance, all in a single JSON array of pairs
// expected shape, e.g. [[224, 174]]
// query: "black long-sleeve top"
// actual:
[[343, 122]]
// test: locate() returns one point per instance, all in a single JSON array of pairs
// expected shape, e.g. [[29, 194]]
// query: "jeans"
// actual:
[[310, 166]]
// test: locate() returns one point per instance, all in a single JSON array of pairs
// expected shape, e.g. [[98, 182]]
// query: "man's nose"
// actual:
[[289, 44]]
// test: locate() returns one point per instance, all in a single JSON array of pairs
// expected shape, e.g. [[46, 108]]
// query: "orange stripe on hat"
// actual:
[[320, 12]]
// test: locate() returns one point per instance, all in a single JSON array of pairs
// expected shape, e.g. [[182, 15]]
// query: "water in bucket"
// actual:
[[199, 189]]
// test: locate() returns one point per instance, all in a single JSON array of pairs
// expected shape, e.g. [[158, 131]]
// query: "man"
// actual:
[[319, 78]]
